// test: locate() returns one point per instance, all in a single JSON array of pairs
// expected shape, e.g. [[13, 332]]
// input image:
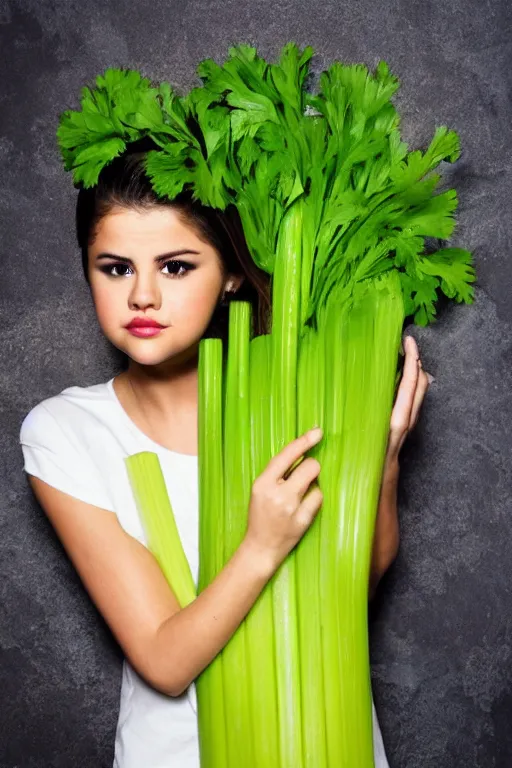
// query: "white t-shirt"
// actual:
[[77, 441]]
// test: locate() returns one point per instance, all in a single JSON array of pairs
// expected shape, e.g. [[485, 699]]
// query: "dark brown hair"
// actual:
[[125, 183]]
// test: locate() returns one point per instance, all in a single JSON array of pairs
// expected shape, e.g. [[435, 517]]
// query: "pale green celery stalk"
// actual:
[[237, 492], [155, 510], [371, 332], [331, 332], [283, 429], [260, 621], [350, 576], [374, 335], [209, 686], [310, 386]]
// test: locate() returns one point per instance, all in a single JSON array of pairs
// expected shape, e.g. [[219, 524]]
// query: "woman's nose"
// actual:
[[145, 293]]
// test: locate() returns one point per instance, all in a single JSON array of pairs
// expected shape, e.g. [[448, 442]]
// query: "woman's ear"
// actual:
[[233, 283]]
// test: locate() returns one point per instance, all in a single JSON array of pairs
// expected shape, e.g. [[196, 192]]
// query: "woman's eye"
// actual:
[[108, 270], [177, 268], [178, 265]]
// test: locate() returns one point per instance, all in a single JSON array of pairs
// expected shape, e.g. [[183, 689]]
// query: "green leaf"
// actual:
[[444, 146], [407, 251], [168, 172], [419, 297], [120, 109], [101, 152], [432, 219], [454, 267], [97, 123]]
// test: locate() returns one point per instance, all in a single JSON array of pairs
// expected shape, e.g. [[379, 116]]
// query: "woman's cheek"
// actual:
[[199, 305], [195, 316], [109, 314]]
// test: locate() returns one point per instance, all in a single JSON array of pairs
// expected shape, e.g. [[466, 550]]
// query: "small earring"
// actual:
[[226, 296]]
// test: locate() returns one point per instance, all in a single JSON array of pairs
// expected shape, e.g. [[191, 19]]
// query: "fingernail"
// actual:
[[430, 378], [316, 433]]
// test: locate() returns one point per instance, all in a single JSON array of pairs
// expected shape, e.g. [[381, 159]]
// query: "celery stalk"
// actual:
[[155, 510], [209, 686], [310, 380], [366, 331], [331, 335], [351, 563], [283, 429], [259, 621], [237, 491], [374, 333]]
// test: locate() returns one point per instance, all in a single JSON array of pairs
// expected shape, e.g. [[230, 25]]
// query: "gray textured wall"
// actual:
[[441, 632]]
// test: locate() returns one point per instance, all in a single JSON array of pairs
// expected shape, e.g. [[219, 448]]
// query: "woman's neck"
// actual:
[[163, 406]]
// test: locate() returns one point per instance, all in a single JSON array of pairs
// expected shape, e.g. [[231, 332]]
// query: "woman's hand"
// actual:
[[283, 504], [413, 387]]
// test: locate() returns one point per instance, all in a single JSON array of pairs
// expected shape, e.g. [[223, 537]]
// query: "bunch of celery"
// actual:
[[336, 209]]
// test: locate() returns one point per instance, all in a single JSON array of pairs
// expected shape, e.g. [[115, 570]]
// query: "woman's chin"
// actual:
[[147, 352]]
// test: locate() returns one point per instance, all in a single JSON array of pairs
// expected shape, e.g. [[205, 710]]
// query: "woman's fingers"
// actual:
[[421, 390], [284, 462], [303, 475], [411, 392], [402, 409]]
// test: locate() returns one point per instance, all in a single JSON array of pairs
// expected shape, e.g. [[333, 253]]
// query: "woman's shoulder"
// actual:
[[93, 393], [73, 406], [64, 440]]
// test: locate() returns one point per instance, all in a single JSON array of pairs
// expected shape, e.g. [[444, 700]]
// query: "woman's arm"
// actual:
[[387, 534], [189, 640], [168, 646]]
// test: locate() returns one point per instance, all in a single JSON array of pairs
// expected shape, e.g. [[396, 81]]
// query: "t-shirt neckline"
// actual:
[[133, 426]]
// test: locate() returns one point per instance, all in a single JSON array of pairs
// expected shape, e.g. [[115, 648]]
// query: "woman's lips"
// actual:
[[144, 331]]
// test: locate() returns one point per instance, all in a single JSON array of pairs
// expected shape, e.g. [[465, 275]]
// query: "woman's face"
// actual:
[[179, 291]]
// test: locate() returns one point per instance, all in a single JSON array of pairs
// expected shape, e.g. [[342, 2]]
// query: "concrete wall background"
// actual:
[[441, 631]]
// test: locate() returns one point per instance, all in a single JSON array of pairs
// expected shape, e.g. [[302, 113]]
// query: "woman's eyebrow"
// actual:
[[163, 256]]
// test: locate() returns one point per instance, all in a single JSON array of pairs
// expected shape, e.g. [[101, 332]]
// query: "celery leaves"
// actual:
[[254, 136]]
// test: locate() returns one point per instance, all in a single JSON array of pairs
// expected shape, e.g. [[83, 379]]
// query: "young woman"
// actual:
[[160, 274]]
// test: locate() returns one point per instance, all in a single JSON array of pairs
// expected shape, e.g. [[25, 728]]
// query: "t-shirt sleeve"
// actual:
[[56, 455]]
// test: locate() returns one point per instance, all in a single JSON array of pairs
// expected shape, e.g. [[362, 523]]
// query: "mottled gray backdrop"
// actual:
[[441, 625]]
